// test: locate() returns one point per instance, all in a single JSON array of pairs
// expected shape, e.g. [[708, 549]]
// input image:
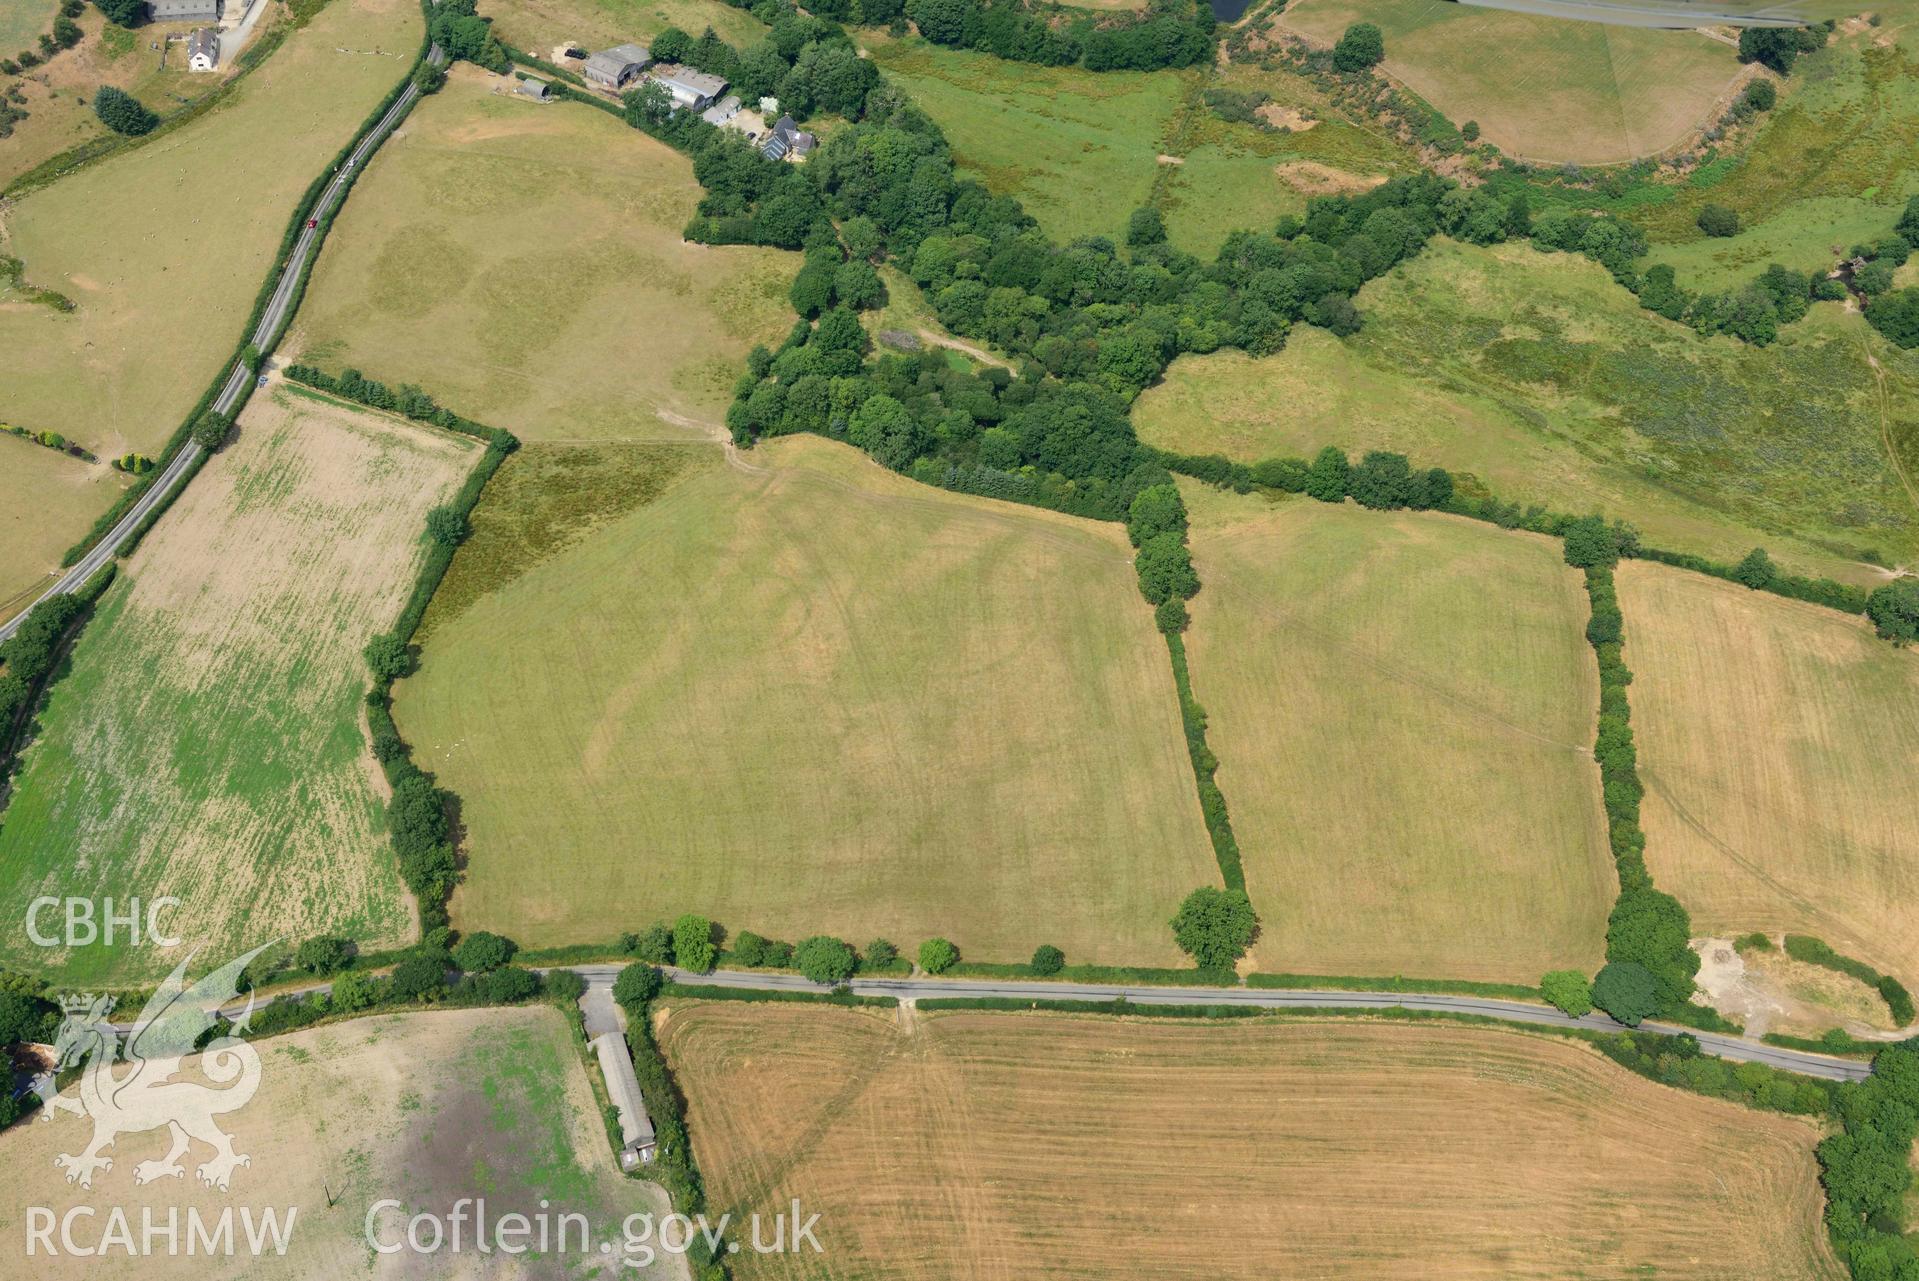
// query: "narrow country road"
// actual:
[[264, 335], [1737, 1048], [1671, 15]]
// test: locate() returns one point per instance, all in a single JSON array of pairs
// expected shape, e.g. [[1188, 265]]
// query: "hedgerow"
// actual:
[[1813, 951]]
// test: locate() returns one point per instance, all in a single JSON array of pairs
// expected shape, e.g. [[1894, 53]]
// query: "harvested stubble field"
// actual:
[[164, 247], [524, 264], [1778, 742], [1547, 89], [1545, 381], [421, 1108], [1403, 707], [1078, 148], [208, 743], [537, 25], [801, 694], [47, 501], [1017, 1145]]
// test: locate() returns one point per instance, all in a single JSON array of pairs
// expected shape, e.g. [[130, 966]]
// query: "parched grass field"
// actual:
[[1546, 89], [800, 694], [21, 22], [1546, 381], [209, 742], [1078, 148], [1777, 742], [999, 1145], [1403, 707], [164, 247], [524, 264], [47, 501], [537, 25], [421, 1108], [58, 93]]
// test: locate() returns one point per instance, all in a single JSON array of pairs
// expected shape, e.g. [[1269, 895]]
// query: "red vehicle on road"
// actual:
[[312, 223]]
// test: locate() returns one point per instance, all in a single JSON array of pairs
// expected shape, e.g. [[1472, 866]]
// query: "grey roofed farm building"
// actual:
[[612, 68], [722, 111], [689, 88], [534, 89], [184, 10], [623, 1089], [787, 140]]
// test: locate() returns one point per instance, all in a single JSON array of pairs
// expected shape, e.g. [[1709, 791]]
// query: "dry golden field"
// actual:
[[524, 263], [989, 1145], [1403, 707], [1778, 743], [798, 693], [1547, 89], [209, 743], [47, 501], [421, 1108]]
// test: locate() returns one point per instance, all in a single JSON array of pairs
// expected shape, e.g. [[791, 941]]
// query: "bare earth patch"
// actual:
[[1283, 117], [1311, 178], [1771, 992], [421, 1108]]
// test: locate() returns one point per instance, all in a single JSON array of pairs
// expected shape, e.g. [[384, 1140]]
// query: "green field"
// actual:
[[1234, 176], [1545, 89], [1544, 380], [1402, 706], [537, 25], [1078, 148], [801, 694], [47, 501], [525, 264], [1834, 160], [208, 743], [1081, 150], [165, 247]]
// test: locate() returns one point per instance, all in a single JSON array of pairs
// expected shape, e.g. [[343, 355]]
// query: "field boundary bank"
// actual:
[[419, 813]]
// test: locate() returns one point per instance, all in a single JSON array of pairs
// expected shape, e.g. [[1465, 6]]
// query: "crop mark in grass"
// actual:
[[769, 1178], [1381, 662], [1752, 867]]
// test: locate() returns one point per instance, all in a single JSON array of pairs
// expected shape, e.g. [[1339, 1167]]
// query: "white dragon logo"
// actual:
[[147, 1097]]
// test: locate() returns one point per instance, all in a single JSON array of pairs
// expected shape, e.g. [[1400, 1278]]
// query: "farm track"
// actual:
[[233, 391]]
